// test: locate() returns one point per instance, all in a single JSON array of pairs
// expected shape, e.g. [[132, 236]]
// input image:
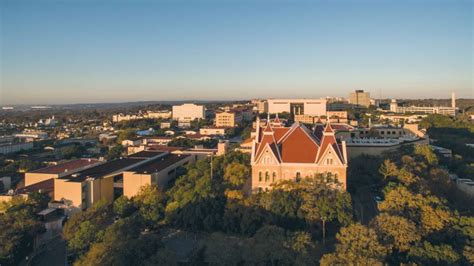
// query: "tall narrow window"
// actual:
[[267, 176], [298, 176], [274, 176], [259, 176]]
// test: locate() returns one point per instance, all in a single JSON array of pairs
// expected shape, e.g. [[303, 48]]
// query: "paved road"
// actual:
[[364, 205], [54, 254]]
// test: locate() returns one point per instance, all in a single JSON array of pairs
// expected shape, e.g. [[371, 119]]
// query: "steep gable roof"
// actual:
[[279, 132], [268, 138], [298, 147], [297, 144], [327, 140]]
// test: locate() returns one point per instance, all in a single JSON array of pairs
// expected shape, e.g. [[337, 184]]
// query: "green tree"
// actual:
[[324, 203], [124, 206], [426, 153], [388, 169], [150, 203], [357, 245], [115, 152], [18, 228], [236, 174], [428, 212], [122, 244], [396, 232], [126, 134], [429, 254], [268, 247], [85, 235], [221, 249], [84, 228]]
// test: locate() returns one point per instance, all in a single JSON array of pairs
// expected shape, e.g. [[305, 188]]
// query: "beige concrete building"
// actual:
[[158, 114], [260, 105], [157, 172], [82, 189], [292, 153], [147, 115], [188, 112], [331, 116], [216, 131], [313, 107], [359, 98], [228, 118]]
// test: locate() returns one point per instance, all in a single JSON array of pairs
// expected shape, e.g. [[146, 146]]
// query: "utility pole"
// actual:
[[211, 166]]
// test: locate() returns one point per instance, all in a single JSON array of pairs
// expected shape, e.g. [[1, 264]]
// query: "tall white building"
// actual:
[[188, 112], [444, 110], [314, 107]]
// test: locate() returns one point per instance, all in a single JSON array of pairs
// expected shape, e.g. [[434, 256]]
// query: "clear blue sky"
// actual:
[[111, 51]]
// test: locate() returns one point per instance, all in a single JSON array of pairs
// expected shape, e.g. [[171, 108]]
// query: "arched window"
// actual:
[[274, 177], [259, 176], [267, 176]]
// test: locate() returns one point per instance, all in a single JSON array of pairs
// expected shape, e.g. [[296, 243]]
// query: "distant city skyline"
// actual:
[[64, 52]]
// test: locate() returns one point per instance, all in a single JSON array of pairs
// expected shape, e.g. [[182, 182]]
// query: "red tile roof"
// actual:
[[297, 144], [328, 129], [279, 132], [299, 147]]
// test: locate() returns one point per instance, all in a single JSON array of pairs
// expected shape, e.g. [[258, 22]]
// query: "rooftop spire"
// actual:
[[277, 120], [328, 128]]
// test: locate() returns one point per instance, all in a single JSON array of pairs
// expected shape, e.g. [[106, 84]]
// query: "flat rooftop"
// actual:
[[45, 186], [159, 164], [163, 148], [145, 154], [69, 166], [103, 169]]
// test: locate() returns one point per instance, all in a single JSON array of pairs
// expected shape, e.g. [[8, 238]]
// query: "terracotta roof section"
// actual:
[[329, 140], [69, 166], [328, 129], [266, 139], [297, 144], [341, 127], [279, 132], [247, 141], [277, 120], [268, 128], [299, 147]]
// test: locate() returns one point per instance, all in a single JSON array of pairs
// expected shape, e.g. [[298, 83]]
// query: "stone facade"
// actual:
[[292, 153]]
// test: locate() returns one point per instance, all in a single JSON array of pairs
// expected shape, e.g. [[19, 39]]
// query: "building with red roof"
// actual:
[[291, 153]]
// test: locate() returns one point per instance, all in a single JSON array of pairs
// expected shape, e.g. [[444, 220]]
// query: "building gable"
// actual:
[[330, 157], [267, 156]]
